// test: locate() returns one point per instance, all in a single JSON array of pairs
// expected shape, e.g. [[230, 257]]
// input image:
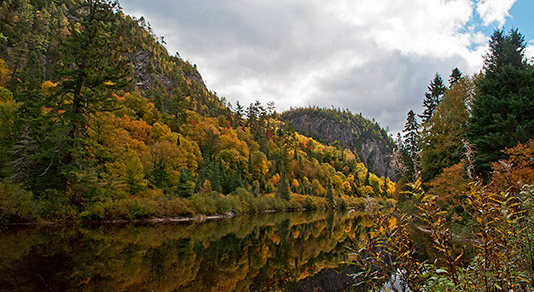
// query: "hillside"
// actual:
[[354, 132], [100, 122]]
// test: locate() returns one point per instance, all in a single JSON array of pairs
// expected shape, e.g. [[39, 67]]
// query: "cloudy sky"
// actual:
[[374, 57]]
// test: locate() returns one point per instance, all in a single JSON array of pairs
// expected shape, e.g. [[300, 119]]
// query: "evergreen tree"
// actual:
[[410, 134], [22, 165], [30, 96], [33, 73], [503, 109], [330, 195], [92, 67], [185, 185], [456, 74], [409, 154], [29, 123], [238, 114], [283, 188], [237, 178], [432, 98], [160, 175]]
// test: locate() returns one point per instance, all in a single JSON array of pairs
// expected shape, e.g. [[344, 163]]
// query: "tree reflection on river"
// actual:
[[266, 252]]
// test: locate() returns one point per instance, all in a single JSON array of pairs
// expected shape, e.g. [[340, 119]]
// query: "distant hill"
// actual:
[[354, 132]]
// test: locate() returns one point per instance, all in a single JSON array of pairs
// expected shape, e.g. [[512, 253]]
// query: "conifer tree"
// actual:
[[410, 134], [455, 77], [21, 165], [283, 189], [442, 146], [410, 150], [160, 175], [92, 67], [503, 110], [185, 185], [432, 98]]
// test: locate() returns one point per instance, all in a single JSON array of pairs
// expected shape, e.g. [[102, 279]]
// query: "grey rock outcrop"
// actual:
[[364, 137]]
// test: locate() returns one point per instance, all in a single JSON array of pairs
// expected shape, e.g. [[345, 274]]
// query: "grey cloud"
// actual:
[[295, 53], [385, 88]]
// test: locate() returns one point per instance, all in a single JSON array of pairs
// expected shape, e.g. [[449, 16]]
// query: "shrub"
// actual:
[[17, 204], [203, 205]]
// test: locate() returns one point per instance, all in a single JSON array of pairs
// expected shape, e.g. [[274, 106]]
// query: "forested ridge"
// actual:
[[99, 122], [365, 137]]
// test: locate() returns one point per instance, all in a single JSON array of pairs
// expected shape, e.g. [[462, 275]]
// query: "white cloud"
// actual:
[[371, 56], [494, 11], [529, 51]]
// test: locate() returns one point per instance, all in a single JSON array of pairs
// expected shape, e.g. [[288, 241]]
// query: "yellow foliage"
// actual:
[[275, 179], [3, 72], [162, 132], [366, 190], [346, 187], [191, 152], [295, 183], [46, 87]]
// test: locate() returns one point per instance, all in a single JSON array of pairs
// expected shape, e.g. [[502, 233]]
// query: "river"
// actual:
[[301, 251]]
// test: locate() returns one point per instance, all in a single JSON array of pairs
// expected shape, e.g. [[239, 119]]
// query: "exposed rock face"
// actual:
[[144, 66], [364, 137]]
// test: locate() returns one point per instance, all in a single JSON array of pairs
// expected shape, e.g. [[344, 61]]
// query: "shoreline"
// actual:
[[199, 218]]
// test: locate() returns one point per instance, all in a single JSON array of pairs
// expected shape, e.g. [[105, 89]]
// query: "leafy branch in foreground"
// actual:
[[388, 253], [502, 239]]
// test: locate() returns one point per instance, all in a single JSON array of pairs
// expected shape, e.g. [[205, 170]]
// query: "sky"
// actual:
[[374, 57]]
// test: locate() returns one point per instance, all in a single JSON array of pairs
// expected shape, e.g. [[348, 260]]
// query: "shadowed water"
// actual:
[[267, 252]]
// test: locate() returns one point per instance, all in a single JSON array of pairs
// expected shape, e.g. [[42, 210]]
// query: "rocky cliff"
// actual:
[[354, 132]]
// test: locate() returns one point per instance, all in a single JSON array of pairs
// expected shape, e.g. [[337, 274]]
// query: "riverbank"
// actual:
[[198, 207]]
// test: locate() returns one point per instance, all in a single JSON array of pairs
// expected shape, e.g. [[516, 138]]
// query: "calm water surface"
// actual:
[[267, 252]]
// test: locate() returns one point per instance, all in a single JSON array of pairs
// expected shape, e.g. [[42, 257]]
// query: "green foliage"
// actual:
[[433, 97], [90, 144], [442, 142], [186, 185], [17, 204], [503, 109], [502, 231], [283, 189]]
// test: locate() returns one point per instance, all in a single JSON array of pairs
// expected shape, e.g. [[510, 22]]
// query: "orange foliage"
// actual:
[[138, 129], [451, 184], [515, 171]]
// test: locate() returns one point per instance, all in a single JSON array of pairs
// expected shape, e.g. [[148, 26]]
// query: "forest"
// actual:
[[99, 122]]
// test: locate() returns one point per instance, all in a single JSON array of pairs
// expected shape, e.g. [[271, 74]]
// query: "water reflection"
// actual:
[[268, 252]]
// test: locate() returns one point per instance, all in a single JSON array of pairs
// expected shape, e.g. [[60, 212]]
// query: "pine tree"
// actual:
[[237, 178], [92, 68], [283, 188], [186, 186], [432, 98], [22, 165], [160, 175], [503, 110], [410, 134], [409, 154], [456, 74]]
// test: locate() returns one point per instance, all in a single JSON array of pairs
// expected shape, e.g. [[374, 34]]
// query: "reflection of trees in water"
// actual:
[[244, 253]]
